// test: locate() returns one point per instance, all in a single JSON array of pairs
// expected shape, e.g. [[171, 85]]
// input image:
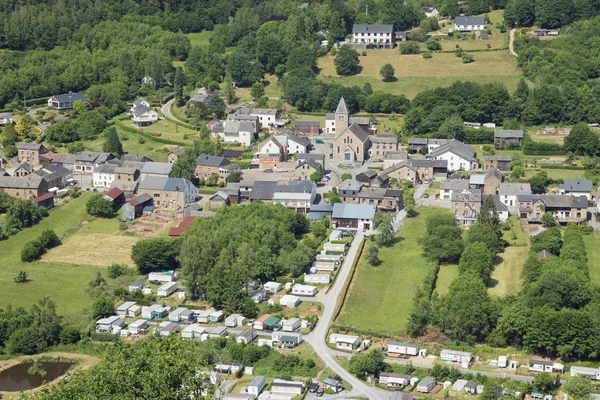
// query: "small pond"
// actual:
[[16, 378]]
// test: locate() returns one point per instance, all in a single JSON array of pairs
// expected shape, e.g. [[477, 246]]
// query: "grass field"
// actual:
[[515, 236], [380, 298], [497, 40], [446, 276], [558, 173], [592, 246], [506, 277], [91, 249], [200, 39], [64, 283], [415, 74]]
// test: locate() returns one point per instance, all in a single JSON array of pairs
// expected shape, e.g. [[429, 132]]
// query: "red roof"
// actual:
[[114, 193], [43, 197], [264, 318], [182, 226]]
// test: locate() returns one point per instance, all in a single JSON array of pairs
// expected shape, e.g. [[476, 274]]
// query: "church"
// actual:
[[351, 141]]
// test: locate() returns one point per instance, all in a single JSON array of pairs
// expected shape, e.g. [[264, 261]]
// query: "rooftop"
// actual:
[[157, 168], [353, 211]]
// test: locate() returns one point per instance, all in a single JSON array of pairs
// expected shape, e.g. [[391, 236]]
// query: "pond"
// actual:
[[16, 378]]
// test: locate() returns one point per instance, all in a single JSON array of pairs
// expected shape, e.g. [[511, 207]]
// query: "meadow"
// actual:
[[446, 275], [506, 277], [592, 247]]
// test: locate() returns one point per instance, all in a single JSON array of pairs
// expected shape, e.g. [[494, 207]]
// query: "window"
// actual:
[[357, 150], [156, 195]]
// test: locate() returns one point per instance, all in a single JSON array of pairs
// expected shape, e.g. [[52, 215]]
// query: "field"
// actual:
[[380, 298], [557, 173], [64, 283], [200, 39], [592, 246], [415, 74], [445, 278], [506, 277]]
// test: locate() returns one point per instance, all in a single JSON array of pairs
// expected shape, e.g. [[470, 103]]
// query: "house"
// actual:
[[306, 168], [45, 200], [466, 206], [491, 181], [450, 186], [56, 176], [353, 216], [545, 366], [373, 35], [169, 193], [115, 196], [256, 385], [500, 163], [182, 226], [142, 114], [500, 207], [333, 384], [263, 191], [508, 193], [318, 211], [240, 132], [104, 175], [202, 95], [592, 373], [564, 209], [273, 287], [384, 199], [291, 325], [471, 388], [247, 336], [28, 187], [459, 357], [381, 144], [426, 384], [458, 155], [401, 36], [134, 208], [123, 310], [30, 153], [204, 316], [392, 158], [467, 24], [304, 290], [22, 170], [66, 161], [397, 349], [312, 128], [174, 154], [175, 315], [344, 342], [169, 328], [431, 12], [349, 188], [270, 152], [193, 331], [138, 327], [232, 154], [429, 169], [392, 380], [401, 172], [371, 179], [317, 157], [5, 118], [112, 324], [267, 117], [65, 101], [285, 339], [155, 169], [227, 367], [235, 320], [351, 142], [292, 388], [209, 166], [86, 161], [297, 195], [508, 138], [266, 323], [136, 285], [297, 144], [289, 301], [577, 188]]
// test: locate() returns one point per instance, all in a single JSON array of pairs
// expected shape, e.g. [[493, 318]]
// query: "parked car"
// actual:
[[314, 386], [320, 392], [319, 141], [155, 282], [268, 170], [425, 196]]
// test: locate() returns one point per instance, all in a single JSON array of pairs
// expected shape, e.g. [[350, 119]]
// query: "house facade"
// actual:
[[381, 144], [402, 172], [467, 24], [381, 36], [466, 207], [207, 166], [28, 187], [30, 153], [357, 217], [458, 155], [500, 163], [169, 193], [65, 101]]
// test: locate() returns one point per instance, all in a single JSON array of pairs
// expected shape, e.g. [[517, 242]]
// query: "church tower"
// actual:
[[341, 117]]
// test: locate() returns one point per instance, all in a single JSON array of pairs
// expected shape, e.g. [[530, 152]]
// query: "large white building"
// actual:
[[381, 36], [459, 156], [467, 24]]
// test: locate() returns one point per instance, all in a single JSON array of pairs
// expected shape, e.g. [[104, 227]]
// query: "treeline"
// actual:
[[548, 13], [20, 214]]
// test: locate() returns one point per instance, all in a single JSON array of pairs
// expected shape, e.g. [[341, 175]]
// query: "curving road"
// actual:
[[166, 110]]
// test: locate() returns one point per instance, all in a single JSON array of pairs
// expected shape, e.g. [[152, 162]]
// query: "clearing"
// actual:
[[506, 277], [592, 246], [415, 74], [380, 298], [446, 275]]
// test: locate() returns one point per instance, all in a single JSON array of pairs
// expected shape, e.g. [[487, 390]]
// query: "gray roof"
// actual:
[[411, 345], [164, 183], [357, 131], [178, 151], [140, 109], [296, 186], [499, 205], [469, 20], [418, 141], [579, 185], [401, 396], [427, 9], [255, 111], [300, 139], [235, 127], [134, 158], [142, 198], [105, 169], [350, 184], [63, 158], [558, 201], [512, 189], [454, 184], [306, 123], [396, 167], [359, 120], [70, 97], [138, 283], [341, 108], [263, 190], [541, 362], [466, 197], [373, 28], [545, 254], [369, 173], [211, 161], [384, 138], [126, 170], [353, 211], [494, 172], [427, 163], [158, 168], [312, 162], [396, 155], [5, 115], [331, 382], [330, 116], [321, 208], [508, 134], [20, 183], [29, 146], [314, 156], [428, 380], [498, 158], [456, 147], [92, 157], [258, 381], [51, 172]]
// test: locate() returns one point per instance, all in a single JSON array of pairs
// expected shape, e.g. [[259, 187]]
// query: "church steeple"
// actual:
[[341, 117]]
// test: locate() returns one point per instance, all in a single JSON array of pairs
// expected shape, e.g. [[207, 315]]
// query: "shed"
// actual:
[[136, 285], [330, 383]]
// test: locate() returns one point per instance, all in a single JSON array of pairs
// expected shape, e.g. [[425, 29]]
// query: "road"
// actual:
[[41, 125], [511, 43], [166, 110]]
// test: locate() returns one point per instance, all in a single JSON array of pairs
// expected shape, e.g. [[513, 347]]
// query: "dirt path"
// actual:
[[511, 43], [84, 362]]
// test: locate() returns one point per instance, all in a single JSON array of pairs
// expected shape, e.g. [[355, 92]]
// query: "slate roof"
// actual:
[[350, 184], [141, 109], [341, 108], [211, 161], [513, 189], [29, 146], [427, 163], [141, 199], [397, 167], [63, 158], [315, 156], [456, 147], [312, 162], [105, 169], [20, 183], [384, 138], [454, 184], [300, 139], [579, 185], [357, 131], [494, 172], [353, 211], [232, 153], [508, 133], [396, 155], [501, 207], [296, 186], [469, 21], [70, 97], [498, 158], [373, 28], [157, 168], [134, 158], [92, 157], [178, 151], [263, 190], [466, 197], [164, 183]]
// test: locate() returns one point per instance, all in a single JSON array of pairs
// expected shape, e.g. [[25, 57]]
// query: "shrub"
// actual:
[[98, 206], [467, 58], [120, 291], [409, 48], [427, 54], [116, 270], [31, 252], [21, 277]]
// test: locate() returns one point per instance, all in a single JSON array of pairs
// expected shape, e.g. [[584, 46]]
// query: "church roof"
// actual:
[[341, 108]]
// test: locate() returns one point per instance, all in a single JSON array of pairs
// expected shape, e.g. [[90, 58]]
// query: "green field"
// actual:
[[380, 298], [592, 246], [200, 39], [515, 236], [415, 74], [447, 275], [557, 173], [506, 277], [64, 283]]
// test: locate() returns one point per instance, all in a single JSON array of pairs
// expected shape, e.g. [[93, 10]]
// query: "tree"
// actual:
[[23, 127], [194, 269], [548, 220], [477, 259], [216, 106], [316, 176], [257, 91], [539, 182], [488, 214], [21, 214], [582, 141], [579, 388], [408, 198], [112, 144], [178, 84], [155, 253], [434, 43], [21, 277], [98, 206], [6, 201], [453, 128], [517, 173], [102, 307], [384, 223], [410, 47], [346, 61], [70, 335], [373, 255], [363, 364], [229, 92], [545, 383], [443, 240], [387, 72]]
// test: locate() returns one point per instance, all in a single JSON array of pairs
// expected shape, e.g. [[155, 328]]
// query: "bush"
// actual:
[[21, 277], [98, 206], [409, 48], [120, 291], [467, 58], [69, 335], [116, 270], [48, 239], [427, 55], [31, 252]]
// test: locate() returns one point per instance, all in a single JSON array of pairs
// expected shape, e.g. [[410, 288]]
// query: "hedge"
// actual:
[[541, 148], [559, 166]]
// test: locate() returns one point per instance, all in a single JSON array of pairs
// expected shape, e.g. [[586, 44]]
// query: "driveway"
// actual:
[[41, 125]]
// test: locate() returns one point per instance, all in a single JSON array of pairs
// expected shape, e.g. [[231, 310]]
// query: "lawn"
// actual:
[[506, 277], [592, 246], [380, 298], [445, 278], [64, 283], [435, 185], [497, 40], [558, 173], [415, 74], [200, 39], [515, 236]]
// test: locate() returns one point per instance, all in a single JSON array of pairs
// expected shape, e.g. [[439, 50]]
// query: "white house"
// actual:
[[509, 192], [290, 301], [240, 132], [304, 290], [193, 331], [138, 327], [142, 114], [296, 194], [297, 143], [162, 276], [453, 356], [344, 342], [175, 315], [266, 116], [467, 24], [256, 385], [431, 12], [545, 366], [167, 289], [291, 325], [104, 175], [112, 324], [378, 35], [330, 124], [273, 287], [357, 217], [402, 349], [577, 188], [458, 155], [392, 380]]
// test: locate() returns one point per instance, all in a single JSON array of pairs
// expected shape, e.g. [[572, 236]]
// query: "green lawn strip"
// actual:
[[557, 174], [200, 39], [380, 298], [592, 247], [506, 277], [447, 275], [64, 283], [515, 236]]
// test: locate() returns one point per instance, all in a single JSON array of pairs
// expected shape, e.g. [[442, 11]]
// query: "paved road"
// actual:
[[511, 42], [166, 110]]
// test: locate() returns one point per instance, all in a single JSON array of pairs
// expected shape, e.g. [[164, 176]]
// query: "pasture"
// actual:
[[380, 298], [98, 249]]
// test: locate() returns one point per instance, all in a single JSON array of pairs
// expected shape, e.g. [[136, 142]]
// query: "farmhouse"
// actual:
[[31, 153], [65, 101], [304, 290], [55, 176], [104, 175], [508, 193], [508, 138], [375, 35], [402, 172], [458, 155], [426, 384], [429, 169], [344, 342], [467, 24], [392, 158], [171, 193], [396, 349], [392, 380], [247, 336], [564, 209], [577, 187], [451, 186], [27, 187], [500, 163], [266, 116], [353, 216], [298, 195]]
